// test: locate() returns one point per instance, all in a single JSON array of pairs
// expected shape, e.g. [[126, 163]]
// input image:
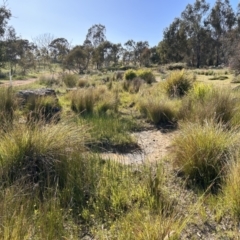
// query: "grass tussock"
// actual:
[[33, 155], [205, 103], [39, 109], [231, 190], [159, 110], [8, 105], [94, 100], [49, 81], [70, 80], [178, 83], [201, 152], [133, 86]]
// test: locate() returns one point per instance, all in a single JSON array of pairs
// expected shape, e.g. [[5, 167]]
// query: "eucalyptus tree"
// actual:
[[77, 60], [173, 47], [221, 19], [135, 50], [5, 15], [59, 48], [96, 35], [193, 17]]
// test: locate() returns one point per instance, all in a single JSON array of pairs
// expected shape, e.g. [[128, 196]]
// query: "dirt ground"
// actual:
[[17, 82]]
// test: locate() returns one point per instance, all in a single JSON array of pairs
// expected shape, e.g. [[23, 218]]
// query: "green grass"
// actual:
[[202, 152], [111, 132], [205, 103], [161, 110]]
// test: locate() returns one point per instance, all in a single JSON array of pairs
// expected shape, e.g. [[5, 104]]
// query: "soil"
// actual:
[[18, 82]]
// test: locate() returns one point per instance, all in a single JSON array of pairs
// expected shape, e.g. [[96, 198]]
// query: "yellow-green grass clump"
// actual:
[[205, 102], [202, 151], [178, 83], [159, 110]]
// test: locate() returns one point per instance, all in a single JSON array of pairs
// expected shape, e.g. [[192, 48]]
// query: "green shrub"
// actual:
[[178, 83], [146, 75], [130, 74], [70, 80], [201, 151]]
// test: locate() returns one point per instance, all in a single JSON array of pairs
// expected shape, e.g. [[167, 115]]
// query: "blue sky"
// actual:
[[140, 20]]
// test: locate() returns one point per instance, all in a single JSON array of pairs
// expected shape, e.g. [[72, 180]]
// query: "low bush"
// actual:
[[130, 74], [202, 151], [178, 83]]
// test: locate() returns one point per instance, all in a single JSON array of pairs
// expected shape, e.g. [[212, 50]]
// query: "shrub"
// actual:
[[70, 80], [130, 74], [202, 151], [178, 83], [146, 75]]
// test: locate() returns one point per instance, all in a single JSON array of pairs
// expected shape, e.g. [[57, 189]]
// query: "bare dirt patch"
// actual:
[[17, 82], [154, 146]]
